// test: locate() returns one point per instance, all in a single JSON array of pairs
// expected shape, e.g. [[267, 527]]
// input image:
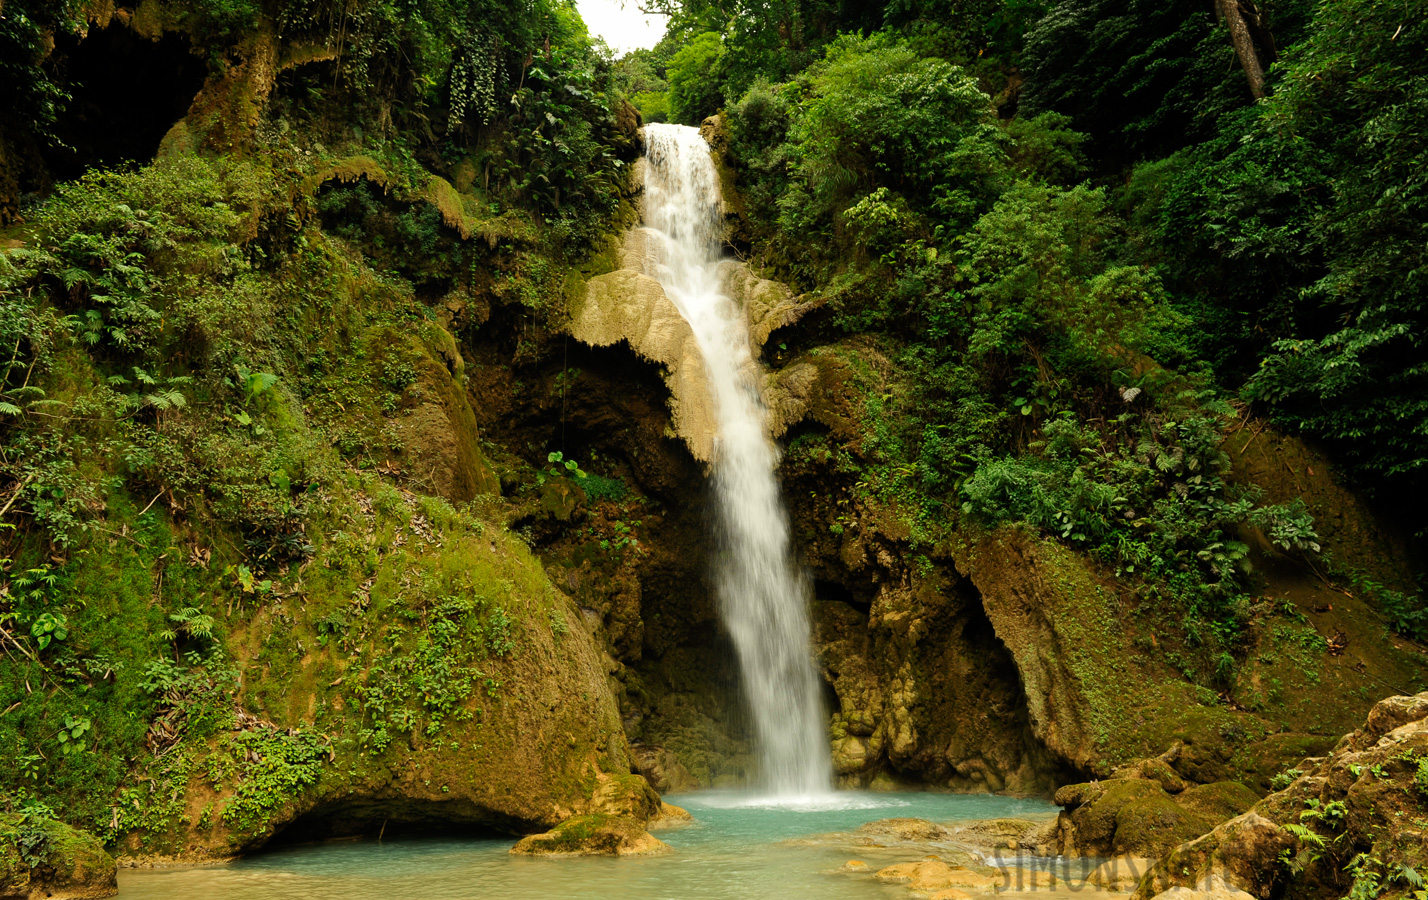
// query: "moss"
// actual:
[[41, 856]]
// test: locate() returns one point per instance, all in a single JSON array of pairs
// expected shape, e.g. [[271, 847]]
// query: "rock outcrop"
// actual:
[[1350, 822], [1140, 817]]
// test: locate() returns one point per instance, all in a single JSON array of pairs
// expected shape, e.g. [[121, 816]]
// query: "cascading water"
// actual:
[[762, 595]]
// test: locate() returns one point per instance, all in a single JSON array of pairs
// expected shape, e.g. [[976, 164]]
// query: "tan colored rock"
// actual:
[[920, 830], [671, 816], [951, 894], [627, 305], [856, 865], [933, 874], [850, 755], [1017, 878], [1120, 873], [1211, 888]]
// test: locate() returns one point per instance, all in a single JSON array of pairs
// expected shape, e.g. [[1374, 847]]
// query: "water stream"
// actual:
[[762, 594], [735, 850]]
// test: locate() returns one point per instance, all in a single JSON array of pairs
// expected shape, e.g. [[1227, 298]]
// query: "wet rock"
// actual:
[[1365, 796], [1121, 873], [855, 865], [907, 830], [932, 874], [593, 835], [1005, 834], [663, 770], [671, 816], [1212, 887]]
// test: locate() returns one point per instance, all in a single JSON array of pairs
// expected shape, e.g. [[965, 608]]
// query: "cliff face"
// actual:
[[981, 659], [318, 619]]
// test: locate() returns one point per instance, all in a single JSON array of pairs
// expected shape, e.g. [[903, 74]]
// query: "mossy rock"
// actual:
[[1137, 816], [593, 835], [42, 857]]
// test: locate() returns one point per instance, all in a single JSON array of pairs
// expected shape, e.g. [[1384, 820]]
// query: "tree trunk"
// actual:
[[1244, 45]]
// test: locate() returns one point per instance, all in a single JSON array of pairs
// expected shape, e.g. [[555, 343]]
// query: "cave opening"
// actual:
[[383, 818], [837, 592], [126, 92]]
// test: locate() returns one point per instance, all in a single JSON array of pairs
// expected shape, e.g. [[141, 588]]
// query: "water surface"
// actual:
[[735, 850]]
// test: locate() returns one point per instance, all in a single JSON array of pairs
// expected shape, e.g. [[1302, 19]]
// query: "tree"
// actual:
[[693, 73]]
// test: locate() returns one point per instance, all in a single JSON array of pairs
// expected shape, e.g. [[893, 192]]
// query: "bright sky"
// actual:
[[621, 24]]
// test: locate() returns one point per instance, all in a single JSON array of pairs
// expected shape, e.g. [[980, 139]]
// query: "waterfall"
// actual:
[[762, 594]]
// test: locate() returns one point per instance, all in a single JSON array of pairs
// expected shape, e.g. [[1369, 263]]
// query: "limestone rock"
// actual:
[[932, 874], [671, 816], [856, 865], [1120, 873], [1002, 834], [1211, 888], [593, 835], [907, 830], [57, 862]]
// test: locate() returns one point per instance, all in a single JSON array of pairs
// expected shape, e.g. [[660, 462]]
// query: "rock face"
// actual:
[[41, 857], [1359, 810], [629, 305]]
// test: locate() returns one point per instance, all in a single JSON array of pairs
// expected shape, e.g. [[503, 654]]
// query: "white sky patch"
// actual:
[[622, 25]]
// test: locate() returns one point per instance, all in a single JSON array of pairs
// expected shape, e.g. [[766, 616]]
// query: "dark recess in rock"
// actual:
[[126, 92]]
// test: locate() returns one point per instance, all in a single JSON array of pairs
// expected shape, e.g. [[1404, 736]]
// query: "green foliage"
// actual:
[[1143, 78], [1304, 221], [270, 767], [653, 105], [427, 678], [693, 73]]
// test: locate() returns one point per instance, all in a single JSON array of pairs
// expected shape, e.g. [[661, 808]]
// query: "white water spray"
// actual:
[[762, 595]]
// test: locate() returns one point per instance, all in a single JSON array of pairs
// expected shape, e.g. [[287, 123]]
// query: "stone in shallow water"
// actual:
[[593, 835], [906, 830], [933, 874], [671, 816], [856, 865]]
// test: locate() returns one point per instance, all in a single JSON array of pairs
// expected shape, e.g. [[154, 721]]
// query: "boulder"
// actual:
[[907, 830], [1137, 816], [593, 835], [1120, 873], [932, 874], [43, 857]]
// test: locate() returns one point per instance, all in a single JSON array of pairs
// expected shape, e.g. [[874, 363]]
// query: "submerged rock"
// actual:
[[671, 816], [593, 835], [42, 857], [932, 874], [919, 830]]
